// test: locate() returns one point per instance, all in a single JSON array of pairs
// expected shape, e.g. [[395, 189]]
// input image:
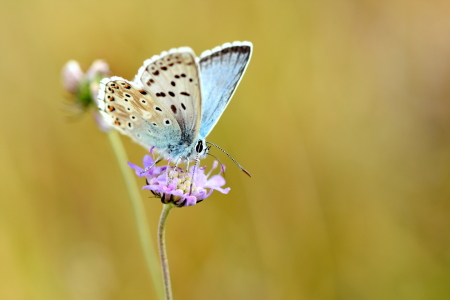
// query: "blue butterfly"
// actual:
[[175, 99]]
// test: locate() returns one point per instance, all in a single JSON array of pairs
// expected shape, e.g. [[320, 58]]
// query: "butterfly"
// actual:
[[176, 98]]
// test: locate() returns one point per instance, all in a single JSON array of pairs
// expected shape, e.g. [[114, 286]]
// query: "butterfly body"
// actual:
[[175, 99]]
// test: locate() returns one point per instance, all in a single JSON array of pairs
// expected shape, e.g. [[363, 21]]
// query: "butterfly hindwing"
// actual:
[[173, 79], [130, 109], [221, 69]]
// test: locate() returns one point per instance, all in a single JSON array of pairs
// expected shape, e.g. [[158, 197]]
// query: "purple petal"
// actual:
[[215, 181], [178, 192], [136, 168], [190, 201], [202, 194], [223, 191], [148, 161]]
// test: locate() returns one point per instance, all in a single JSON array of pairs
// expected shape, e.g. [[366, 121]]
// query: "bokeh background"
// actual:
[[343, 119]]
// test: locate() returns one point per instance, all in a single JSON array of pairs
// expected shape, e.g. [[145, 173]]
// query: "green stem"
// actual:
[[139, 211], [162, 250]]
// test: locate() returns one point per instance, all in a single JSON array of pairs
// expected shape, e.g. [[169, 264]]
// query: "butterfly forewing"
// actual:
[[221, 70], [130, 109], [173, 79]]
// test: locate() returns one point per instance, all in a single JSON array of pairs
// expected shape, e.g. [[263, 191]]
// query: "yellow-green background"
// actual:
[[343, 119]]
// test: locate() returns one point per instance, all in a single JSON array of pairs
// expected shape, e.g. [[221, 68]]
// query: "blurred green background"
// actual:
[[343, 119]]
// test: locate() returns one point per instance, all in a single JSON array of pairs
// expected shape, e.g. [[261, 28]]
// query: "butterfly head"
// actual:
[[185, 151]]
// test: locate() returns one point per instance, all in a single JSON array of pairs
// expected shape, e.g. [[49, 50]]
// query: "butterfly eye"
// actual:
[[199, 147]]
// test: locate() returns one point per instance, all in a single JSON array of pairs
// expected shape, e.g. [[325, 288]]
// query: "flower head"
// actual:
[[178, 186], [84, 86]]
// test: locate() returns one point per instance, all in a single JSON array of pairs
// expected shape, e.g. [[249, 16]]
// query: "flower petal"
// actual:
[[190, 201], [223, 191], [215, 181], [148, 161], [136, 168]]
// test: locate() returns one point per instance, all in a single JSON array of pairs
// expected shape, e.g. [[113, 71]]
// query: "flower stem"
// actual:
[[162, 250], [139, 211]]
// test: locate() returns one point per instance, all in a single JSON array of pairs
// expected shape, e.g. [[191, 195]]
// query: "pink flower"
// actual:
[[74, 79], [84, 86]]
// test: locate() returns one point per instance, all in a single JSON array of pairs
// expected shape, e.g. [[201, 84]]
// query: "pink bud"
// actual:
[[71, 75], [98, 67]]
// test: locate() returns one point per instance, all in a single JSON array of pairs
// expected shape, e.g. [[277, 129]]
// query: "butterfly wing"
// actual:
[[173, 78], [129, 108], [221, 69]]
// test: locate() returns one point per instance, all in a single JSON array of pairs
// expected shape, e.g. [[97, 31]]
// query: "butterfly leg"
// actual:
[[154, 163], [187, 164], [167, 171], [197, 164], [169, 178]]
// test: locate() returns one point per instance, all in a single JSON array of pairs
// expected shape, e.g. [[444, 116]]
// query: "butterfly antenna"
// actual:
[[221, 164], [237, 164]]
